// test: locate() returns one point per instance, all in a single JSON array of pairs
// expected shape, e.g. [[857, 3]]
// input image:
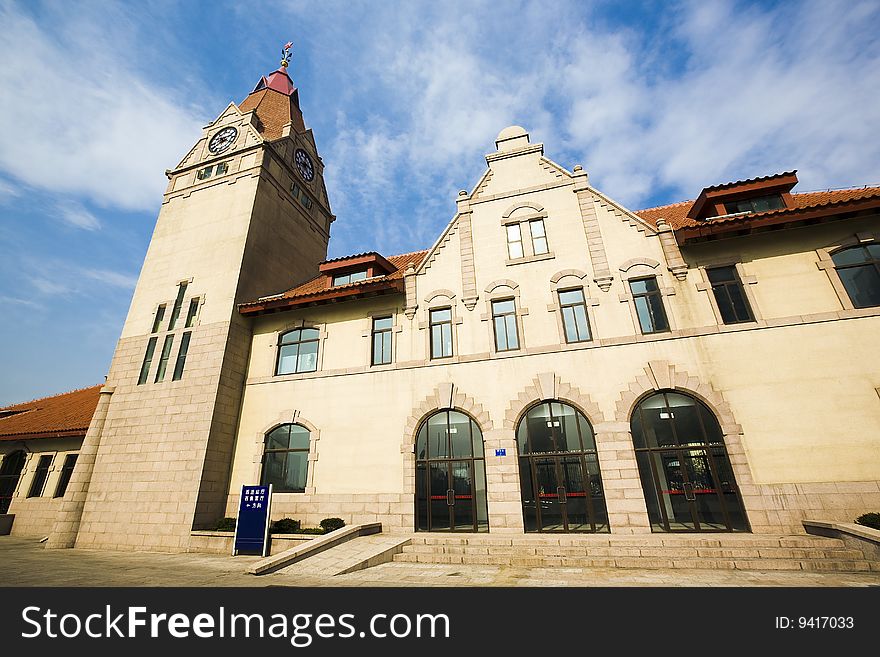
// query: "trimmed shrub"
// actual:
[[285, 526], [225, 525], [311, 530], [332, 524], [871, 520]]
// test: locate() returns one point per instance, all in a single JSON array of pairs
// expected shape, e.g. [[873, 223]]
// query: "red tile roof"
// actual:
[[66, 414], [320, 285], [676, 213]]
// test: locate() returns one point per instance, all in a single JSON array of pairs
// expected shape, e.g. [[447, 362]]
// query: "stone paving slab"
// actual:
[[355, 555], [27, 563]]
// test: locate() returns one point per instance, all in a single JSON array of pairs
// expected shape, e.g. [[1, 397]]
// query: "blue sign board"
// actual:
[[252, 527], [501, 452]]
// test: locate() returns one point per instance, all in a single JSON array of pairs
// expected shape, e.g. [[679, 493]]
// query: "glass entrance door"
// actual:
[[559, 472], [450, 475], [684, 468]]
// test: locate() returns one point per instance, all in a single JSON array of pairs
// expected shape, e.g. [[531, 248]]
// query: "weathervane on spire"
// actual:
[[285, 54]]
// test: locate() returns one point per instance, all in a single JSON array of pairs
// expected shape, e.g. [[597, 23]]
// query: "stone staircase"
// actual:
[[707, 551]]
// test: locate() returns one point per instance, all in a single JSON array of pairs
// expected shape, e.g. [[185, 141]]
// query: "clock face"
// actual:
[[304, 164], [222, 140]]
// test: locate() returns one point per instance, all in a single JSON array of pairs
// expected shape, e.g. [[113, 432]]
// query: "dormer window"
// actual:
[[744, 197], [758, 204], [351, 277]]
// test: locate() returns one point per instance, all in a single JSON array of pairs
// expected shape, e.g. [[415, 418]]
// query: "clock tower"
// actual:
[[245, 212]]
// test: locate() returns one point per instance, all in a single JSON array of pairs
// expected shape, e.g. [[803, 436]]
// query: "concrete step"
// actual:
[[772, 552], [654, 551], [854, 565]]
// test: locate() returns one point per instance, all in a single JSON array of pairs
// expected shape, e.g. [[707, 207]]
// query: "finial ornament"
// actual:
[[285, 54]]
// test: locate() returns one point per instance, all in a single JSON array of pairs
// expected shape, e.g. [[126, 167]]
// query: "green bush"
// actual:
[[311, 530], [871, 520], [332, 524], [225, 525], [285, 526]]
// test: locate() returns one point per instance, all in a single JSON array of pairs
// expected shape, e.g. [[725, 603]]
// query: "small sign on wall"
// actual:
[[501, 452], [252, 525]]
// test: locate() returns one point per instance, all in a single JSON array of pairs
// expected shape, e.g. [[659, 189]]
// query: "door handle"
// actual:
[[450, 497], [560, 494], [689, 493]]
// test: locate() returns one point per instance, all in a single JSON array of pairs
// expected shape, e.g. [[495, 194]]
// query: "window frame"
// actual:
[[519, 241], [736, 283], [868, 263], [164, 357], [299, 450], [147, 362], [658, 293], [505, 315], [279, 344], [536, 238], [38, 471], [66, 475], [386, 333], [563, 306], [443, 323]]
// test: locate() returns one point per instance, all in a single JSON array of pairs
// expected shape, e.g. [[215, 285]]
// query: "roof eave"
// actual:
[[322, 297], [793, 217]]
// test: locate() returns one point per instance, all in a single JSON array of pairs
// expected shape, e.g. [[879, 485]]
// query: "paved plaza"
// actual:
[[27, 563]]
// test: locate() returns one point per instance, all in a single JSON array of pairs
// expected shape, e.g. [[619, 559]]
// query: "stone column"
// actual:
[[502, 483], [67, 523], [466, 243], [674, 261], [624, 497], [598, 258]]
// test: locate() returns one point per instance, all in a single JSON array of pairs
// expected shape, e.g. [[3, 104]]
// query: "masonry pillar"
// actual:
[[67, 524], [674, 261], [624, 497]]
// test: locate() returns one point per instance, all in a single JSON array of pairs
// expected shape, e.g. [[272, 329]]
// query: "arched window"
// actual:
[[298, 351], [286, 459], [10, 471], [684, 466], [450, 474], [859, 270], [559, 471]]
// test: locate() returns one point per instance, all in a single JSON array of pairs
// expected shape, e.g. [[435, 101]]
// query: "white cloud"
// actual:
[[717, 92], [79, 119], [52, 277], [8, 191], [77, 216]]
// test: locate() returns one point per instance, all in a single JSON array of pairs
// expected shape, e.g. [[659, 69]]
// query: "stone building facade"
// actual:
[[553, 362]]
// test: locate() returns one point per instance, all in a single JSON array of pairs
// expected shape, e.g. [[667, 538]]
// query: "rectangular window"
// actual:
[[160, 315], [649, 305], [66, 473], [539, 237], [163, 360], [204, 173], [441, 332], [353, 277], [178, 302], [574, 316], [294, 190], [514, 241], [222, 168], [759, 204], [298, 351], [729, 295], [191, 313], [382, 340], [181, 356], [504, 320], [40, 476], [306, 201], [148, 359]]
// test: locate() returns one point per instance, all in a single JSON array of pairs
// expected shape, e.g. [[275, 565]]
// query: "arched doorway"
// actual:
[[10, 471], [559, 471], [450, 475], [684, 467]]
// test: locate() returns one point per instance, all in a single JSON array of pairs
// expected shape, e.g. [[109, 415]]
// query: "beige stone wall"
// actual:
[[35, 516], [801, 415]]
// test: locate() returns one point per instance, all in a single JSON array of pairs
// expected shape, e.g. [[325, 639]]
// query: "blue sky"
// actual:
[[656, 100]]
